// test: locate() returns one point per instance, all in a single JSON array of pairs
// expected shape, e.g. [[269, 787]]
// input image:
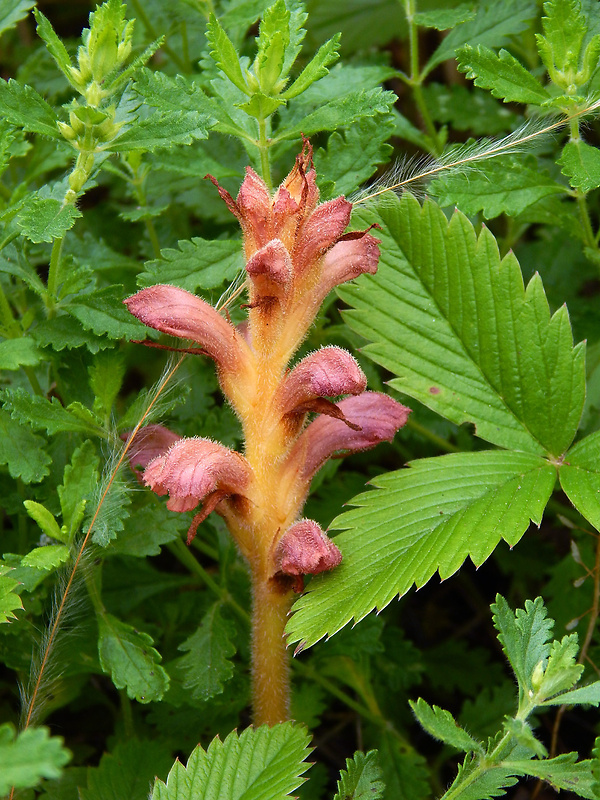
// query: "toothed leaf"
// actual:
[[502, 74], [581, 164], [441, 725], [9, 601], [361, 780], [28, 757]]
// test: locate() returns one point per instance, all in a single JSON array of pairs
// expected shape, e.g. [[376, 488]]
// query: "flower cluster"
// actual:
[[296, 251]]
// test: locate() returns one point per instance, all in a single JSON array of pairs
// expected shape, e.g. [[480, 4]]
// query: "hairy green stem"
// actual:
[[54, 275], [416, 78]]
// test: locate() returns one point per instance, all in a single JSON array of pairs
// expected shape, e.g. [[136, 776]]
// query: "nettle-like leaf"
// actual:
[[103, 312], [206, 665], [9, 600], [580, 477], [424, 519], [562, 772], [260, 764], [492, 26], [507, 186], [197, 264], [49, 415], [43, 219], [162, 130], [502, 74], [525, 635], [106, 378], [15, 353], [581, 164], [316, 68], [361, 780], [444, 18], [441, 725], [27, 758], [25, 108], [127, 772], [466, 338], [22, 450], [127, 654], [80, 479]]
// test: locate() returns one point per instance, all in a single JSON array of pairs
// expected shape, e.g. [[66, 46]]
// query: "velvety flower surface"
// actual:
[[305, 549], [149, 442]]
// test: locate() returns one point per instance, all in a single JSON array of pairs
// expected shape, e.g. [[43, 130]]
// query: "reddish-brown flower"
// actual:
[[304, 549]]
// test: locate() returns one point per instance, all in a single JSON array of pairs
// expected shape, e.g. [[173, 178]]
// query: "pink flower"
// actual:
[[195, 471], [304, 549], [149, 443]]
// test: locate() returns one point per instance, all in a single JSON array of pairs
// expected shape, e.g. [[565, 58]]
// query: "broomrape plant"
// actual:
[[141, 628]]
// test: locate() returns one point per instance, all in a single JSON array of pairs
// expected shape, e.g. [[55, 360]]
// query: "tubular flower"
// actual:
[[148, 443], [296, 252]]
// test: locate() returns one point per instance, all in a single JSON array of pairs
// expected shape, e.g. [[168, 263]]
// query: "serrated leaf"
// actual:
[[502, 74], [580, 162], [465, 338], [506, 186], [128, 656], [492, 26], [585, 695], [43, 219], [273, 40], [260, 764], [197, 264], [13, 11], [67, 332], [316, 68], [352, 158], [444, 18], [341, 112], [146, 530], [161, 130], [23, 107], [53, 42], [43, 414], [45, 519], [207, 666], [28, 757], [103, 312], [23, 352], [561, 672], [9, 601], [525, 636], [361, 780], [440, 724], [562, 772], [580, 477], [429, 517], [106, 377], [467, 109], [47, 557], [22, 450], [405, 772], [224, 54], [80, 478], [113, 510], [565, 29], [127, 772], [261, 106]]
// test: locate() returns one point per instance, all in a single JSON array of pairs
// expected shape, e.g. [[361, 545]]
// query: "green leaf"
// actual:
[[45, 519], [13, 11], [106, 377], [9, 601], [206, 667], [351, 158], [43, 414], [261, 106], [161, 130], [22, 450], [28, 757], [66, 332], [113, 511], [561, 672], [562, 772], [260, 764], [361, 780], [103, 312], [565, 28], [341, 112], [127, 771], [47, 557], [316, 68], [506, 77], [224, 54], [525, 636], [23, 107], [405, 772], [127, 654], [15, 353], [581, 164], [494, 356], [53, 42], [492, 26], [468, 109], [473, 783], [273, 40], [419, 520], [146, 530], [441, 725], [80, 479], [506, 186], [444, 18], [580, 478], [43, 219], [585, 695], [197, 264]]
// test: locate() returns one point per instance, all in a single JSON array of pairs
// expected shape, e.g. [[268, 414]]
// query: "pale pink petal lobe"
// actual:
[[149, 442], [348, 259]]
